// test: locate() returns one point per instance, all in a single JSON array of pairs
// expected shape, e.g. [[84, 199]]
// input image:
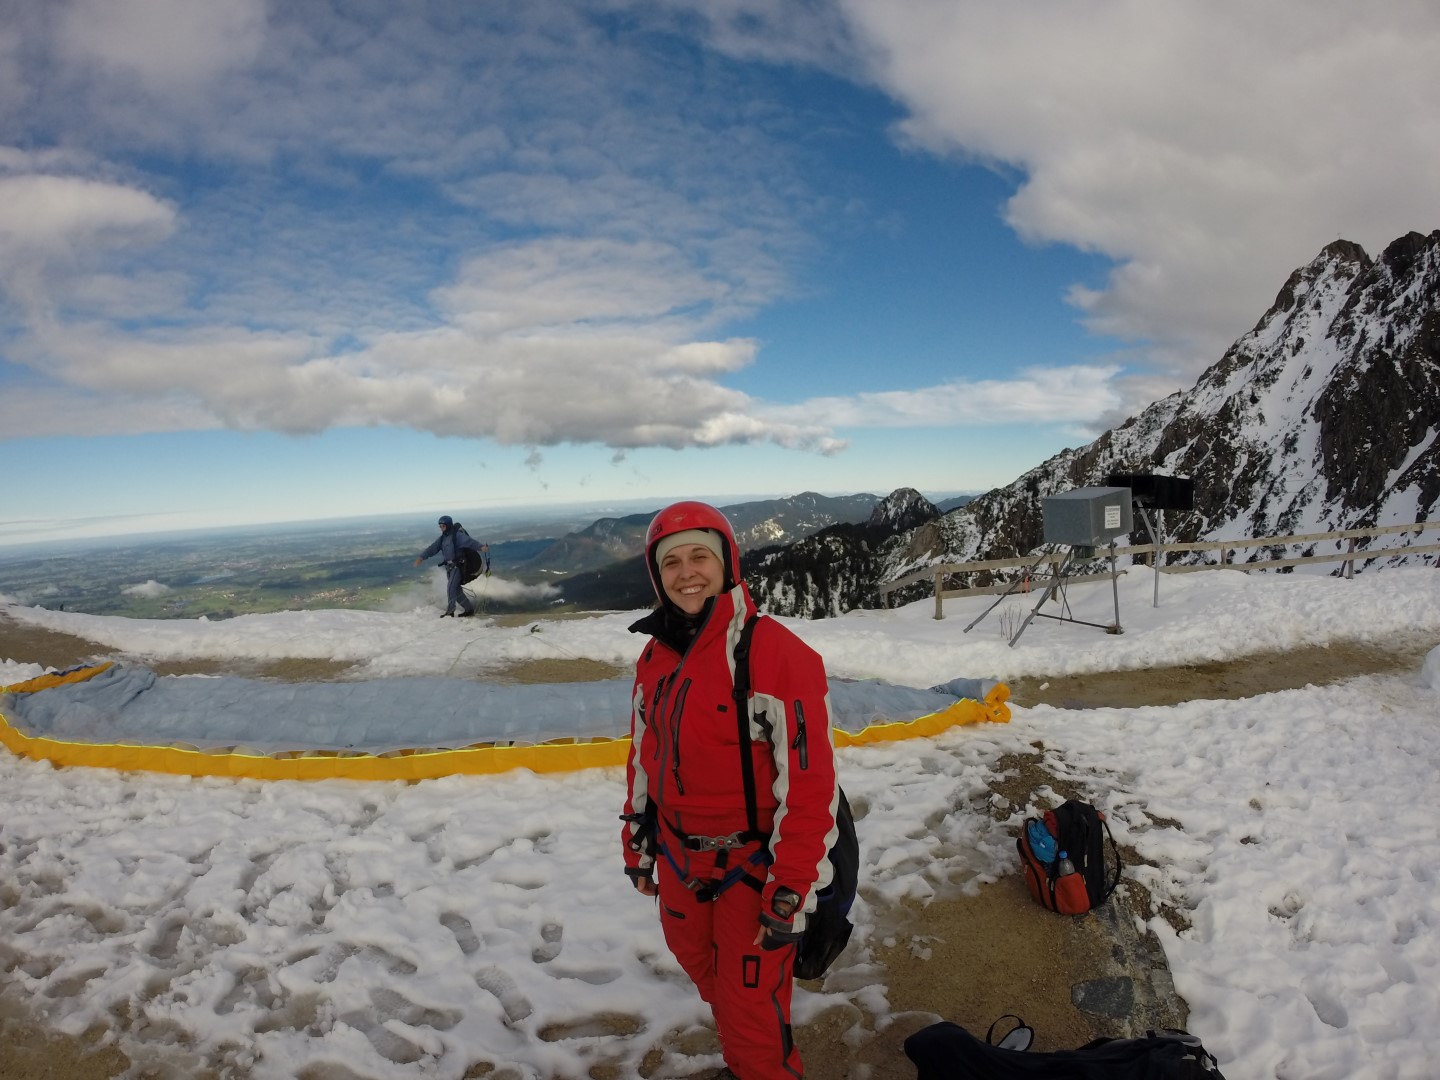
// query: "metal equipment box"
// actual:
[[1087, 517], [1151, 491]]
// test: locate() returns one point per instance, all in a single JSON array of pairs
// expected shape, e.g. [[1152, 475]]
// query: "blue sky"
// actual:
[[274, 261]]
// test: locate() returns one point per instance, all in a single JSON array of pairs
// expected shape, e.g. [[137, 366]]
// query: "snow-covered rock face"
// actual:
[[903, 509], [1322, 417]]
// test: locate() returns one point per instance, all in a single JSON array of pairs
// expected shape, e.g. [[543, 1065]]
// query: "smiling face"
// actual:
[[690, 575]]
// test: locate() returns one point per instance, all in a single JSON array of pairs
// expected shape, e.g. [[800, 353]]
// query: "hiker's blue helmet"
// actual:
[[446, 521]]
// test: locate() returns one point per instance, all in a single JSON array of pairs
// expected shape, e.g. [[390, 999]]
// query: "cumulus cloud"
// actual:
[[163, 43], [492, 589], [50, 215], [555, 342], [605, 220], [1073, 395], [597, 236], [55, 229], [505, 591], [148, 590], [37, 412], [1209, 147]]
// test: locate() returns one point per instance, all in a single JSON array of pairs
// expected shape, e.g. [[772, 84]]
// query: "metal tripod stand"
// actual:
[[1057, 584]]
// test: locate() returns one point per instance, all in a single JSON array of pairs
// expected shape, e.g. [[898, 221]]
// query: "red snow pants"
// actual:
[[747, 988]]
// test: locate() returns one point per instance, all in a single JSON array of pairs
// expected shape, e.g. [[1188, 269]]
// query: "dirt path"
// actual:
[[970, 959], [1262, 673]]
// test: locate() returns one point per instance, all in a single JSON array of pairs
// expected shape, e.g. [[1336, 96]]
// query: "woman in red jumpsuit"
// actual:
[[734, 887]]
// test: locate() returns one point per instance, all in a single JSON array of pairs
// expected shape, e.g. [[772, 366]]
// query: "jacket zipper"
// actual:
[[677, 714], [801, 743], [655, 713]]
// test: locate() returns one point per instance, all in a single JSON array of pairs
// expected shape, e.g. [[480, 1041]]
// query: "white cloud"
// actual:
[[579, 283], [164, 43], [608, 217], [505, 591], [55, 229], [34, 412], [534, 386], [1073, 395], [472, 318], [50, 215], [148, 590], [1210, 147], [788, 31]]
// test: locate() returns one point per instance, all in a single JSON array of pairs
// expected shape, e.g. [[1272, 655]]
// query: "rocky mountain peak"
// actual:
[[903, 508], [1322, 417], [1325, 416]]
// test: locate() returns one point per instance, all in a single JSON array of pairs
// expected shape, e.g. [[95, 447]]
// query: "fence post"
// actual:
[[939, 603], [1350, 563]]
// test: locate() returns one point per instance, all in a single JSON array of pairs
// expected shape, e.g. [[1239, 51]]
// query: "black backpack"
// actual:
[[470, 561], [946, 1051], [1079, 830], [828, 927]]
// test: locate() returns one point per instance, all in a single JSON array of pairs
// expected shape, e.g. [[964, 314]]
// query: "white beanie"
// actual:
[[708, 537]]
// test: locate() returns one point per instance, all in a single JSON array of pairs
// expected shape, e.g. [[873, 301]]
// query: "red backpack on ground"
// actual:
[[1062, 855]]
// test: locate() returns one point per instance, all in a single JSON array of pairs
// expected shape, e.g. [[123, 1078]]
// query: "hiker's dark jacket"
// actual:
[[685, 752], [449, 543]]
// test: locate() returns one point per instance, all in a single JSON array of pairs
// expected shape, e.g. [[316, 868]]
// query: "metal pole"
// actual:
[[1115, 589], [1155, 555]]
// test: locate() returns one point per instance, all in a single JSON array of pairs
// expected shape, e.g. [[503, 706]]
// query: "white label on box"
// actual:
[[1112, 517]]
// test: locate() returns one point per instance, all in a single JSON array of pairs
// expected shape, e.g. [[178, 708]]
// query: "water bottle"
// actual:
[[1041, 842], [1066, 866]]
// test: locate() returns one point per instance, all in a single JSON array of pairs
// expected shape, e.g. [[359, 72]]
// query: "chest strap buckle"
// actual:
[[718, 843]]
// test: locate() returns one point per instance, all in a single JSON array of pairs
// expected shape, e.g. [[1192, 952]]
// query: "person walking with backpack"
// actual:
[[732, 798], [453, 540]]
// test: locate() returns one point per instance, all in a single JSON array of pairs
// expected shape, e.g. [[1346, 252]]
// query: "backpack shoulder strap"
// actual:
[[1112, 885], [742, 719]]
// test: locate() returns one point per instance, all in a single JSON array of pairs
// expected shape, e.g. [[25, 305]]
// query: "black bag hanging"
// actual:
[[946, 1051], [827, 928]]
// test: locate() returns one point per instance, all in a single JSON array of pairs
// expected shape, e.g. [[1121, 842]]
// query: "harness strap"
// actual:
[[707, 891], [723, 846], [692, 842]]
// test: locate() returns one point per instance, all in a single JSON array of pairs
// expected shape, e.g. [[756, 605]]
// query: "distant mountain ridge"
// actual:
[[756, 524], [835, 570], [1323, 417], [605, 558]]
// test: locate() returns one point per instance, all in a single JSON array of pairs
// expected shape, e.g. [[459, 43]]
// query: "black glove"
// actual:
[[643, 880], [778, 924]]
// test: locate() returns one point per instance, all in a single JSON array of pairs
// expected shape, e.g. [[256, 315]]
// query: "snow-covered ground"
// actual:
[[347, 929]]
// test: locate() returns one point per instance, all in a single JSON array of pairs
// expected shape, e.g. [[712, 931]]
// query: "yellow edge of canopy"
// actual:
[[561, 756]]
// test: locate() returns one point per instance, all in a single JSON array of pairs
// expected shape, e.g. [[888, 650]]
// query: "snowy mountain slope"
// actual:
[[1323, 417], [834, 570]]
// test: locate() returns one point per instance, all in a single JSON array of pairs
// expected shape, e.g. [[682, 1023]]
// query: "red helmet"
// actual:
[[681, 516]]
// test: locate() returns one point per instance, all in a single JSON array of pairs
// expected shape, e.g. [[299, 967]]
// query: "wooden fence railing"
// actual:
[[1224, 554]]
